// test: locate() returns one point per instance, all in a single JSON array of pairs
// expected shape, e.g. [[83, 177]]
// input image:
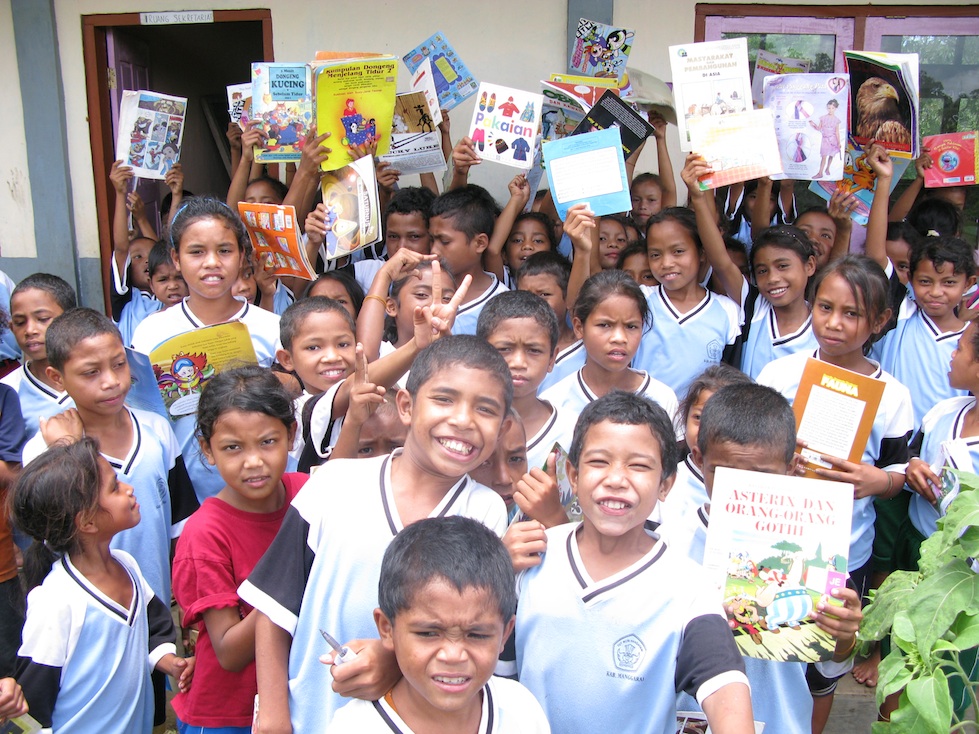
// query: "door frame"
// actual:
[[99, 115]]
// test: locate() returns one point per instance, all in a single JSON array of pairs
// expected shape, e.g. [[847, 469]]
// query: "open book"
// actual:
[[275, 235]]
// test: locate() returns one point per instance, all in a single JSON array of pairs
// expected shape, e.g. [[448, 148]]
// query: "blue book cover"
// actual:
[[453, 80], [588, 169]]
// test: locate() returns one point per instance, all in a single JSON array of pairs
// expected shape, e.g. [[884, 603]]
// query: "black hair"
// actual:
[[457, 550], [628, 409], [295, 316], [711, 379], [603, 285], [945, 249], [160, 254], [167, 201], [784, 237], [460, 350], [390, 323], [903, 231], [250, 389], [279, 189], [750, 187], [935, 215], [58, 288], [682, 216], [867, 282], [48, 496], [209, 207], [71, 327], [636, 248], [748, 415], [471, 209], [646, 178], [517, 305], [543, 220], [410, 200], [547, 263], [349, 283]]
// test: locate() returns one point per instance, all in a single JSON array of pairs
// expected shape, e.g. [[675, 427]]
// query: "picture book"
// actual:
[[239, 102], [184, 363], [834, 412], [600, 50], [859, 180], [353, 213], [884, 100], [423, 80], [595, 81], [811, 113], [648, 93], [710, 80], [766, 64], [588, 169], [777, 545], [565, 106], [569, 500], [416, 144], [282, 108], [610, 111], [25, 724], [144, 393], [505, 123], [954, 457], [454, 83], [274, 232], [151, 130], [738, 147], [954, 157]]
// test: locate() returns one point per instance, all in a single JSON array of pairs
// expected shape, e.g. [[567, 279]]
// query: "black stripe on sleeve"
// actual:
[[160, 623], [282, 572], [706, 651], [894, 451], [183, 498], [917, 441], [41, 684]]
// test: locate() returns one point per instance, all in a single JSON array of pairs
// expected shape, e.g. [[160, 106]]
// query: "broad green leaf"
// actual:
[[930, 696], [966, 631], [937, 601], [881, 727], [903, 630], [886, 601], [893, 675]]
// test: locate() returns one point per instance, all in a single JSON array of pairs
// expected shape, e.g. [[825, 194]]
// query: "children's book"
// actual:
[[738, 147], [954, 156], [184, 363], [353, 213], [565, 106], [151, 130], [423, 80], [505, 123], [239, 102], [710, 80], [274, 232], [766, 64], [648, 93], [860, 180], [884, 100], [600, 50], [354, 103], [593, 81], [610, 111], [569, 500], [777, 545], [954, 457], [25, 724], [144, 393], [454, 83], [416, 144], [811, 113], [282, 107], [588, 169]]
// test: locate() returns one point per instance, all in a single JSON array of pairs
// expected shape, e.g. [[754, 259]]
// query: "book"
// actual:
[[353, 212], [610, 111], [954, 457], [590, 169], [282, 108], [416, 144], [565, 105], [183, 364], [766, 64], [454, 83], [274, 232], [954, 157], [595, 81], [566, 493], [777, 545], [710, 79], [25, 724], [810, 113], [355, 103], [738, 147], [239, 102], [423, 80], [151, 131], [505, 123], [600, 50], [648, 93], [884, 100], [144, 393]]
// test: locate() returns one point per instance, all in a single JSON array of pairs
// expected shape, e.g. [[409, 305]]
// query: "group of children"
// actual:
[[428, 387]]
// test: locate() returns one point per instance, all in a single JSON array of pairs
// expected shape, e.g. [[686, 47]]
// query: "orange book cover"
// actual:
[[275, 235]]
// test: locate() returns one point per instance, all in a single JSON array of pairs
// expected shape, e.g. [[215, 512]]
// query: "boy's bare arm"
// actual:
[[239, 182], [581, 226], [876, 246], [665, 165], [728, 710], [272, 645], [906, 200], [519, 195], [120, 176]]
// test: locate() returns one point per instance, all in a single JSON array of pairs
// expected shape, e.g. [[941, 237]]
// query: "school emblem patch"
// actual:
[[628, 653]]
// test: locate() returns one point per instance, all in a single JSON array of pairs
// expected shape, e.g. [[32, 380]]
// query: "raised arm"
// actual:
[[370, 320], [581, 226], [120, 176], [519, 196], [881, 164], [302, 190], [760, 218], [906, 200], [463, 158], [665, 165], [175, 182], [239, 182]]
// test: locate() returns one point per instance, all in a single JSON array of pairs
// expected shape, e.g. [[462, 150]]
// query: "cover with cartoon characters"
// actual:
[[151, 130], [454, 83], [600, 50], [954, 157], [282, 106]]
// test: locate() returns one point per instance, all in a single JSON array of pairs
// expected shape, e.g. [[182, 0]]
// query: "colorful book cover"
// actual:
[[274, 232], [811, 113], [710, 80], [282, 105], [416, 144], [144, 393], [738, 147], [151, 130], [588, 169], [600, 50], [505, 123], [240, 102], [453, 80], [610, 111], [766, 64], [353, 213], [423, 80], [954, 157], [776, 545], [954, 457], [565, 106], [884, 100], [593, 81], [184, 363], [355, 104]]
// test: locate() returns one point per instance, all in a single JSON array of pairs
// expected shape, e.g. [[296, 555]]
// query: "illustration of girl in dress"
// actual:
[[831, 129]]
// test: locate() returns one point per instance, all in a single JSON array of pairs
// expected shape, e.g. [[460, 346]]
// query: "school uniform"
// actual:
[[687, 495], [762, 340], [468, 313], [322, 569], [134, 311], [568, 361], [556, 429], [37, 400], [9, 349]]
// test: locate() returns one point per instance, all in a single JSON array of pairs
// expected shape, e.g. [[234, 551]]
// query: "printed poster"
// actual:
[[281, 103], [505, 123], [151, 130], [600, 50], [275, 235], [954, 157], [454, 83], [416, 144]]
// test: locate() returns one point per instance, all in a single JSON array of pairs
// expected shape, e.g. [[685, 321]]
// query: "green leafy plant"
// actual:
[[932, 616]]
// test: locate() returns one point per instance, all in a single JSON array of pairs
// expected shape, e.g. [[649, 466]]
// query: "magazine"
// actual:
[[610, 111], [954, 157], [588, 169], [884, 100], [648, 93], [766, 64], [600, 50], [777, 545], [423, 80], [565, 106], [454, 83], [282, 108], [504, 124], [738, 147], [274, 232], [151, 130], [353, 215], [239, 102], [416, 144]]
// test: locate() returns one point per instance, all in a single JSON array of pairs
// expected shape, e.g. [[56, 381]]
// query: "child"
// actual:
[[599, 572], [166, 284], [532, 232], [634, 262], [321, 570], [612, 239], [901, 239], [406, 221], [130, 258], [11, 592], [340, 286], [34, 303], [829, 235], [647, 198], [690, 325], [609, 317], [94, 627], [747, 204], [246, 427], [830, 129], [450, 575]]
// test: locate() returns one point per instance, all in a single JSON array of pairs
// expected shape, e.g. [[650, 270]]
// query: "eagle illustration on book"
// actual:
[[878, 115]]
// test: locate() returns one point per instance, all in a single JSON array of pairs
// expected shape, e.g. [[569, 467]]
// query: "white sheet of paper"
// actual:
[[592, 173], [830, 422]]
